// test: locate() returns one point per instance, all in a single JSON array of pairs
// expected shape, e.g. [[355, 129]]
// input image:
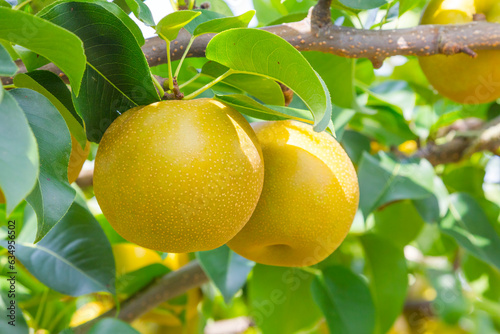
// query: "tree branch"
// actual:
[[167, 287], [463, 146], [317, 33]]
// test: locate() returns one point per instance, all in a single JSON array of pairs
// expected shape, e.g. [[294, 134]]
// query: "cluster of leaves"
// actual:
[[417, 225]]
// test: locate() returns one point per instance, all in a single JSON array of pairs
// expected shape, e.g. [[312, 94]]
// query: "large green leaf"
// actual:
[[117, 77], [389, 278], [168, 28], [58, 45], [345, 300], [53, 88], [281, 301], [226, 269], [264, 89], [18, 153], [52, 195], [383, 179], [7, 65], [338, 74], [74, 258], [469, 225], [482, 278], [110, 325], [218, 25], [260, 52]]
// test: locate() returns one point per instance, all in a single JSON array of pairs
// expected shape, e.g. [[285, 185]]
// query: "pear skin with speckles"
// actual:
[[309, 199], [179, 176], [460, 77]]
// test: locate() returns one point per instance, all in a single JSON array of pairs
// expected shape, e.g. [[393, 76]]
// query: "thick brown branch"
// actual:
[[167, 287], [375, 45]]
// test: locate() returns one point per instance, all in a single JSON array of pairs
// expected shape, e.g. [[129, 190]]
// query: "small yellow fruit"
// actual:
[[76, 160], [129, 258], [309, 199], [179, 176], [460, 77], [408, 147]]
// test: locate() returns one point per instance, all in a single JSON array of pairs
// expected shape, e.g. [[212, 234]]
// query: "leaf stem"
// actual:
[[196, 76], [191, 4], [170, 77], [21, 5], [157, 85], [177, 70], [208, 85], [11, 86]]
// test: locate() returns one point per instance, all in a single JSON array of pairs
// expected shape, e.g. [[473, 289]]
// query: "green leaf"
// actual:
[[389, 278], [18, 153], [355, 144], [469, 225], [363, 4], [281, 301], [264, 89], [399, 222], [31, 60], [168, 28], [110, 325], [119, 13], [383, 179], [206, 15], [52, 195], [141, 11], [338, 74], [467, 178], [482, 278], [220, 6], [7, 66], [13, 321], [345, 301], [434, 207], [74, 258], [226, 269], [218, 25], [260, 52], [53, 88], [450, 303], [58, 45], [252, 108], [132, 282], [117, 77]]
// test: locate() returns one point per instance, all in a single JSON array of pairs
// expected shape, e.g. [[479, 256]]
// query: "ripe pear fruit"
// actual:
[[460, 77], [308, 202], [179, 176]]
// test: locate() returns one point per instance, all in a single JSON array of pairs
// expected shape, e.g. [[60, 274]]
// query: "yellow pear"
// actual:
[[179, 176], [309, 199], [460, 77]]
